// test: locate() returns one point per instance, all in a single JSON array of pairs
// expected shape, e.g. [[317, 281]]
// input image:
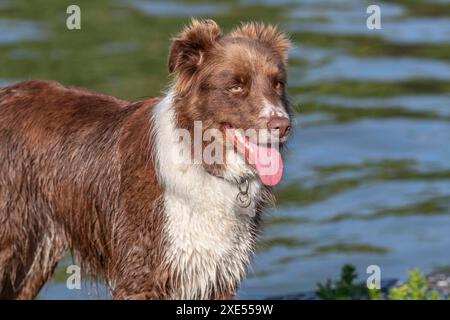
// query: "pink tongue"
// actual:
[[266, 161], [268, 164]]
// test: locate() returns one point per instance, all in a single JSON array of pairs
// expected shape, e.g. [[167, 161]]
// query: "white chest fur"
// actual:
[[209, 234]]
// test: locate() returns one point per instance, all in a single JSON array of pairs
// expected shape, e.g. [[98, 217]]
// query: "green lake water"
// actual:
[[367, 177]]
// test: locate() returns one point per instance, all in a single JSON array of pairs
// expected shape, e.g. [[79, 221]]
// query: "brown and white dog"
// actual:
[[102, 177]]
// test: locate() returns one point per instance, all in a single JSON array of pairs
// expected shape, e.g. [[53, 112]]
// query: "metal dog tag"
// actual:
[[242, 197]]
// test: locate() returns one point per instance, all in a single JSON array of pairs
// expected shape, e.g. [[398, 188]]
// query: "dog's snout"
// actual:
[[279, 123]]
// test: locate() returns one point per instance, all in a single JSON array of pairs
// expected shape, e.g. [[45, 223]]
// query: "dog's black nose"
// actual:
[[279, 123]]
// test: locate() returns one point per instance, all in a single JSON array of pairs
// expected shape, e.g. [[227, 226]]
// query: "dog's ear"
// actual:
[[188, 48], [267, 34]]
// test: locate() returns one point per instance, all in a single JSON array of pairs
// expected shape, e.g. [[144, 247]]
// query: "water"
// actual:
[[368, 170]]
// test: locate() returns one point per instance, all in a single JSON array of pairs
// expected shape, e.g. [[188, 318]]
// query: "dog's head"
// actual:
[[234, 84]]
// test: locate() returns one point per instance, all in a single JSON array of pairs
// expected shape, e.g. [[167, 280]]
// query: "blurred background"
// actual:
[[368, 168]]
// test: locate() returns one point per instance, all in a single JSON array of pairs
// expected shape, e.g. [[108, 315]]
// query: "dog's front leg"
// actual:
[[143, 286], [138, 293], [126, 294], [148, 295], [231, 295]]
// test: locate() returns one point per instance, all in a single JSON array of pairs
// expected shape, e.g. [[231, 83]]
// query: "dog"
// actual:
[[102, 177]]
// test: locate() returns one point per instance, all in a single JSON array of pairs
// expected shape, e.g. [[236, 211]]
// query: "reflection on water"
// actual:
[[368, 168], [13, 31], [427, 103], [376, 69], [167, 9]]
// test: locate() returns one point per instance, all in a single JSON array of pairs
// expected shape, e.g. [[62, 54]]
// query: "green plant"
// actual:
[[375, 294], [343, 289], [415, 288]]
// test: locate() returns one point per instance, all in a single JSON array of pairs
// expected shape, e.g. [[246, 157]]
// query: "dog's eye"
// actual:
[[236, 89], [279, 85]]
